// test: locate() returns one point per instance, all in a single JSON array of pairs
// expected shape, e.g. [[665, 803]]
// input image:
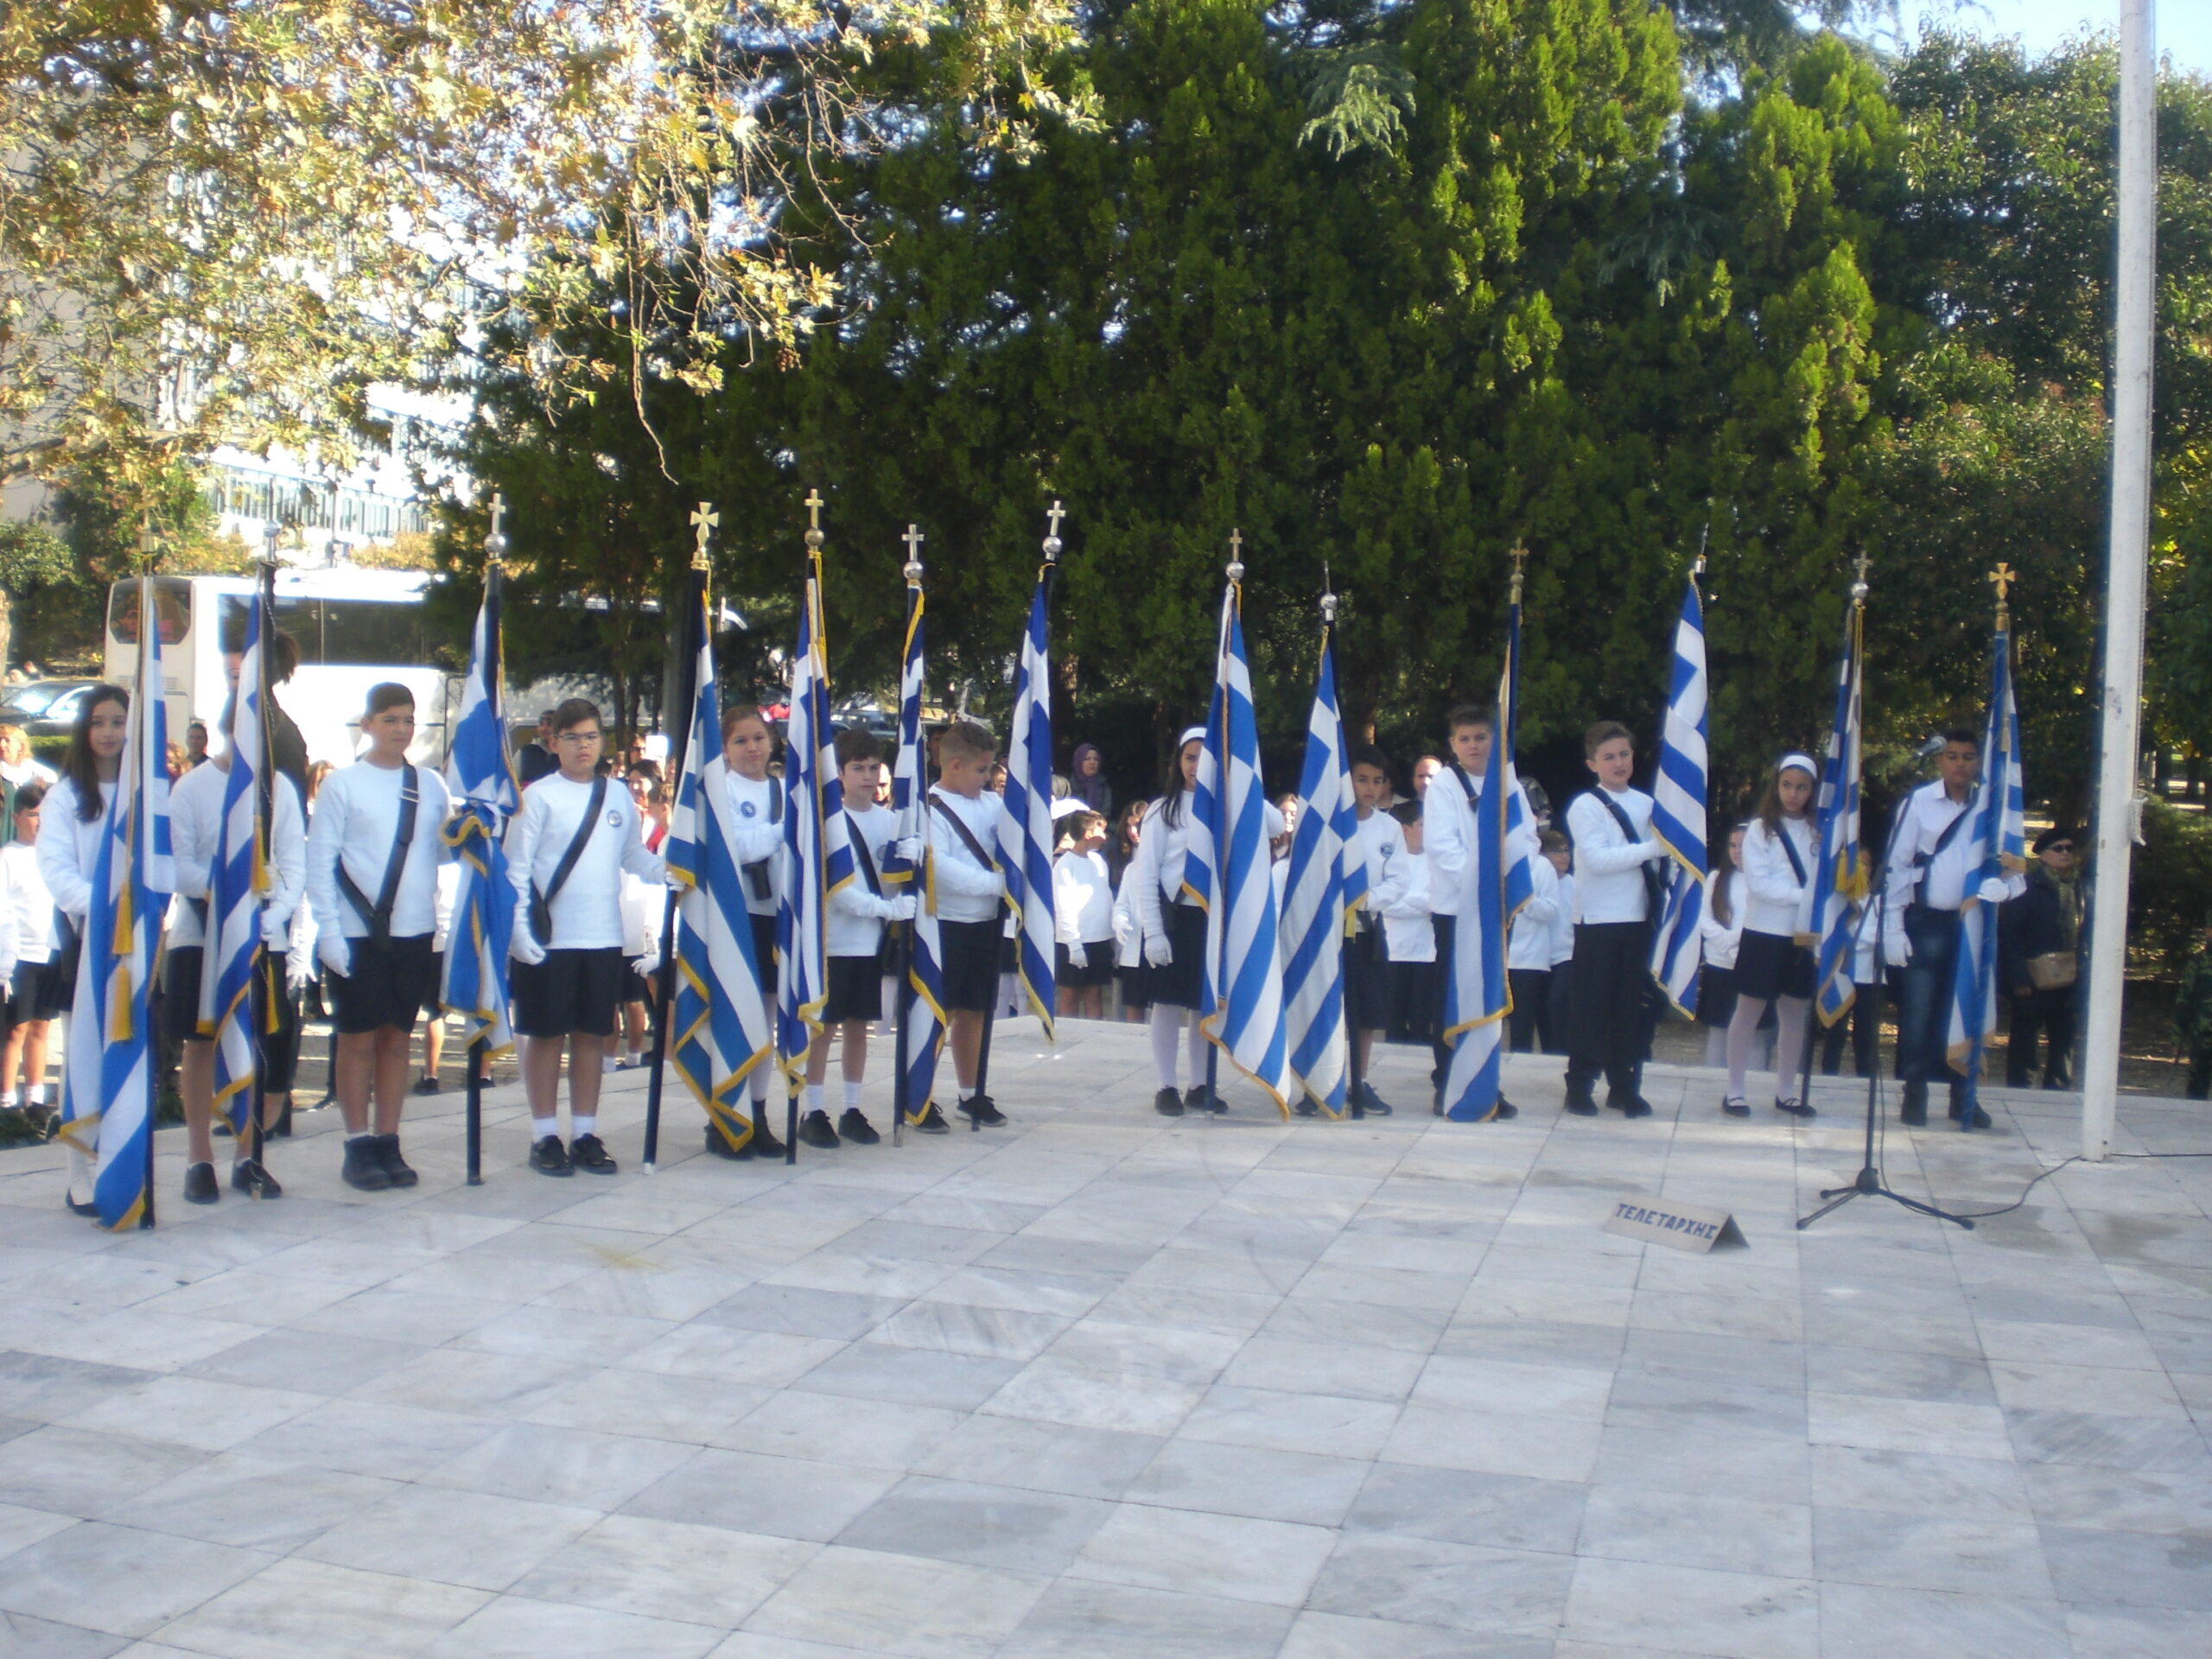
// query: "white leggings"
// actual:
[[1790, 1013], [1166, 1016]]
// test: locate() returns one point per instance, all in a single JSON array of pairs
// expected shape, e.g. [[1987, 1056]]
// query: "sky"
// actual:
[[2184, 27]]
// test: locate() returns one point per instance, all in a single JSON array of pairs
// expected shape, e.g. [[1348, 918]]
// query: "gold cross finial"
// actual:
[[146, 539], [495, 543], [703, 523], [499, 513], [1862, 564], [914, 538], [814, 504], [2003, 579], [1055, 514], [1236, 556], [1519, 554]]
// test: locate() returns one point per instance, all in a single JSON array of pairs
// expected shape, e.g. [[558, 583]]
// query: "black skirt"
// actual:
[[1181, 982], [1716, 996], [1768, 965], [1098, 970]]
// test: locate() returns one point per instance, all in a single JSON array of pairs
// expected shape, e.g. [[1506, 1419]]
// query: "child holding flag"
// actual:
[[966, 819]]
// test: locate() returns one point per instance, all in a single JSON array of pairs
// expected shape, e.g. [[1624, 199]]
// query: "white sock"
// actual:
[[544, 1128], [35, 1094], [851, 1095], [80, 1175], [364, 1136], [583, 1123], [813, 1096], [1163, 1020]]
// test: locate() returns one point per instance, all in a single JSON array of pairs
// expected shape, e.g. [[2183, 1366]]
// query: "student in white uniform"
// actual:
[[1379, 841], [852, 947], [645, 906], [967, 821], [1409, 934], [1772, 968], [33, 998], [1082, 914], [434, 1010], [1616, 865], [1173, 928], [1128, 937], [567, 850], [69, 828], [374, 891], [1558, 853], [756, 821], [196, 828], [1528, 961], [1719, 934]]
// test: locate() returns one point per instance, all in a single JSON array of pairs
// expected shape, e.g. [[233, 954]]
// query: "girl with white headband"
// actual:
[[1173, 927], [1771, 966]]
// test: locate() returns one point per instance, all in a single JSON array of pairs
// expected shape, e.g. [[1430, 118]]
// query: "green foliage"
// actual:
[[2169, 891]]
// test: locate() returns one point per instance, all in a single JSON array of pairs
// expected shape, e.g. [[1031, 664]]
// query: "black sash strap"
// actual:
[[867, 859], [378, 915], [1796, 864], [1654, 885], [757, 875], [1922, 860], [1466, 785], [541, 904], [960, 827]]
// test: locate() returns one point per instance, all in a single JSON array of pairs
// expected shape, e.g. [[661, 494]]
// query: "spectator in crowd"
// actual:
[[1087, 779], [2039, 940], [535, 759]]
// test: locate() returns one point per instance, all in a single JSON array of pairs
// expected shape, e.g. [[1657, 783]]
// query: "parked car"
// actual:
[[45, 708]]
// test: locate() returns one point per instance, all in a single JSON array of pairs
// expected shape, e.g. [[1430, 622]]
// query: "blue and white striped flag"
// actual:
[[817, 849], [1026, 835], [1839, 877], [718, 1019], [238, 887], [1328, 878], [1997, 837], [1678, 812], [1229, 869], [480, 777], [1495, 884], [108, 1083], [923, 1030]]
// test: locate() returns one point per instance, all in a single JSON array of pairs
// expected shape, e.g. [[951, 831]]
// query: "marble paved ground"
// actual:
[[1102, 1383]]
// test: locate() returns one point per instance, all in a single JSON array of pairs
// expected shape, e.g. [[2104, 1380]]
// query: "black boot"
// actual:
[[1914, 1111]]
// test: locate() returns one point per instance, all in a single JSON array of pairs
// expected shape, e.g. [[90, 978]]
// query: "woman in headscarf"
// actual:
[[1087, 782]]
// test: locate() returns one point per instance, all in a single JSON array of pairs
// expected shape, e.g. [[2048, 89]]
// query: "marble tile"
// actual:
[[1500, 1595], [559, 1335], [830, 1428], [367, 1438], [2104, 1631], [1077, 1620], [666, 1569], [298, 1606], [2048, 1436], [1045, 1457], [2037, 1342], [1135, 1351], [251, 1503], [1050, 1390], [777, 1497], [1465, 1507], [1061, 1295], [1324, 1424], [962, 1328], [874, 1370], [1691, 1610], [1011, 1527], [1496, 1443], [1357, 1372], [20, 1526], [76, 1472], [855, 1598], [1915, 1483], [1888, 1375], [1254, 1481], [799, 1312], [1202, 1554], [1334, 1635], [728, 1353], [2088, 1495], [2135, 1569], [474, 1540], [1868, 1622], [1454, 1383], [46, 1389], [308, 1361], [1530, 1341], [143, 1338], [21, 1634], [1879, 1424], [1709, 1530], [2115, 1392], [193, 1412], [144, 1578], [1681, 1459], [461, 1381], [1188, 1307], [1673, 1400], [517, 1627], [561, 1465], [1920, 1552]]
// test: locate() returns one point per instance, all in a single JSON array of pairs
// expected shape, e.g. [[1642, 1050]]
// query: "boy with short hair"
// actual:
[[966, 818], [1616, 901], [1083, 916], [1380, 842], [34, 998], [1560, 856], [1408, 938], [567, 851], [853, 946]]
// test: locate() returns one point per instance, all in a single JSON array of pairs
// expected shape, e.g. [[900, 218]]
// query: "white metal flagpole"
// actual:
[[2118, 806]]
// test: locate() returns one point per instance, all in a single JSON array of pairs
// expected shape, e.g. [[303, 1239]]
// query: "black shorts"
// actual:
[[1768, 965], [1716, 995], [1181, 982], [181, 996], [280, 1049], [383, 989], [1132, 982], [1416, 985], [763, 952], [1098, 970], [432, 1008], [969, 956], [37, 993], [856, 989], [1369, 1001], [570, 993]]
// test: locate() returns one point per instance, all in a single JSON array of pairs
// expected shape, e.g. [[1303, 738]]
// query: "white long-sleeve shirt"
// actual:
[[1083, 900], [1529, 944], [1407, 933], [356, 821], [195, 825], [1380, 841], [1563, 922], [1608, 865], [1128, 933], [587, 913], [1940, 883], [967, 890], [1775, 901], [756, 832], [1163, 850], [1719, 941], [68, 847], [857, 911], [27, 904], [1447, 832]]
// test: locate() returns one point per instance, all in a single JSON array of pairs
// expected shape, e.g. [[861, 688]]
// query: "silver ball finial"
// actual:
[[912, 570], [1052, 547], [1328, 607], [1858, 591], [814, 540], [1236, 554]]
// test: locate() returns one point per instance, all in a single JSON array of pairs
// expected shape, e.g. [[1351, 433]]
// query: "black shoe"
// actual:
[[588, 1153], [855, 1126], [764, 1144], [1795, 1107], [1736, 1106], [1303, 1108], [722, 1149], [931, 1122], [396, 1171], [1372, 1104], [549, 1157], [1912, 1116], [283, 1128], [1498, 1114], [1633, 1106], [814, 1130], [1200, 1098], [364, 1170], [1168, 1102], [200, 1184], [1981, 1120], [251, 1177], [40, 1117], [78, 1209], [426, 1086], [981, 1110], [1582, 1106]]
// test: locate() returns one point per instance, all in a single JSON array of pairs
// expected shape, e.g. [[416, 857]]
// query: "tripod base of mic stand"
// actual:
[[1868, 1185]]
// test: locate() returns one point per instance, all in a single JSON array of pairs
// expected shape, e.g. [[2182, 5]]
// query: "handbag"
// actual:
[[2055, 971]]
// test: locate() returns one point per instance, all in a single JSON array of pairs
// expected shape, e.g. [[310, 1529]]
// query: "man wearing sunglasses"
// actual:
[[2039, 942]]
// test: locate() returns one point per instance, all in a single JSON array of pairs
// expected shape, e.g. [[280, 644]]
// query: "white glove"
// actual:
[[908, 847], [299, 969], [648, 965], [1993, 891], [1897, 950], [904, 908], [1158, 953], [1078, 957], [522, 948], [336, 953]]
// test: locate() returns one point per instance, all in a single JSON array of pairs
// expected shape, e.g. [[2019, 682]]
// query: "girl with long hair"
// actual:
[[1172, 927], [1771, 966]]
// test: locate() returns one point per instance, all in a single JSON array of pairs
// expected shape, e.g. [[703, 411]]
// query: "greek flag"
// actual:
[[1496, 883], [238, 887], [480, 775], [107, 1092], [1678, 812], [819, 854], [718, 1027], [921, 1033], [1998, 838], [1228, 868], [1026, 839], [1328, 879], [1839, 878]]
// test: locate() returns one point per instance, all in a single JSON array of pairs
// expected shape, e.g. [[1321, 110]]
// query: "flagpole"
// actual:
[[1220, 894], [495, 551], [702, 522], [902, 942], [1354, 1072], [148, 624], [1985, 919], [259, 990]]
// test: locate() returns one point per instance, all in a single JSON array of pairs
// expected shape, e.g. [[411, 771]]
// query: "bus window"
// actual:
[[172, 604], [358, 631]]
